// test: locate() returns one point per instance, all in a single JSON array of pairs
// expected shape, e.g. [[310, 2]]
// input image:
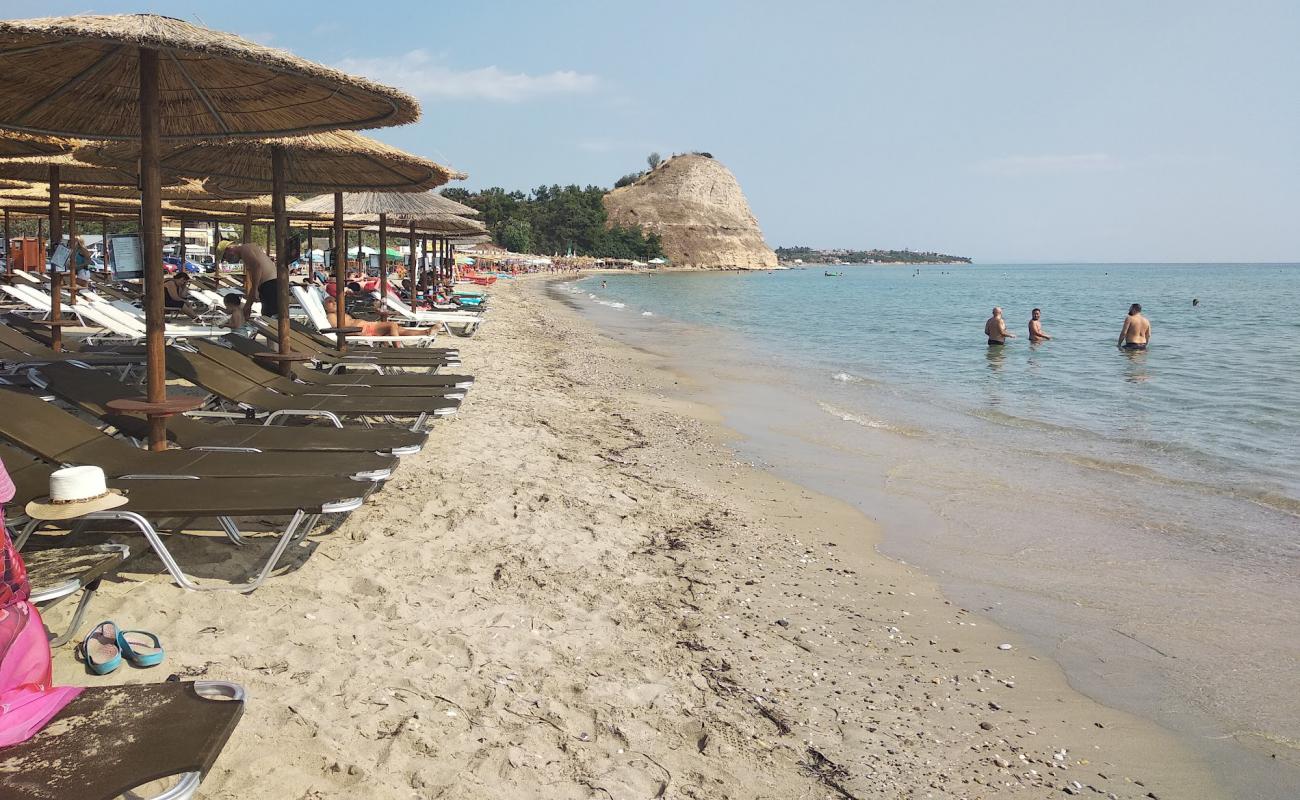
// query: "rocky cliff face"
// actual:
[[698, 210]]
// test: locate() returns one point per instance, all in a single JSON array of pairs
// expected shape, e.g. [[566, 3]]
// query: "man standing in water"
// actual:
[[1036, 333], [1136, 332], [996, 329], [260, 270]]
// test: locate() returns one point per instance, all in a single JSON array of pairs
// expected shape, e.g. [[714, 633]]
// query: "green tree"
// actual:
[[653, 160], [517, 235]]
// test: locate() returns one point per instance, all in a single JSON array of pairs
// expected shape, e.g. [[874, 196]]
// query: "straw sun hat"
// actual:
[[75, 491]]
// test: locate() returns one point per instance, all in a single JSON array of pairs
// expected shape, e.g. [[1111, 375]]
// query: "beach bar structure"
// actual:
[[147, 79]]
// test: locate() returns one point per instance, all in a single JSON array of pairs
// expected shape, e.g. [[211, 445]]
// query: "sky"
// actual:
[[1035, 130]]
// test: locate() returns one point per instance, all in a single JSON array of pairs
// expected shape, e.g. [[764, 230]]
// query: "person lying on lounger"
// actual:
[[371, 328]]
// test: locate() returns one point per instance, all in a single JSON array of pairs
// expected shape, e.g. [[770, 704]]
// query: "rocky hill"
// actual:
[[695, 205]]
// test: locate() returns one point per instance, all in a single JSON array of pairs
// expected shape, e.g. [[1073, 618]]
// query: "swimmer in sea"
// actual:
[[996, 329], [1036, 332], [1136, 333]]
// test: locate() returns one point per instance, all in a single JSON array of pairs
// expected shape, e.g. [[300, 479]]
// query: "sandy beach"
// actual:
[[577, 591]]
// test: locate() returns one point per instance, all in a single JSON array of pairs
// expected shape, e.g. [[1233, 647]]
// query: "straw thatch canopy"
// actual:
[[78, 76], [37, 169], [322, 162], [404, 204], [21, 144], [187, 191], [436, 225]]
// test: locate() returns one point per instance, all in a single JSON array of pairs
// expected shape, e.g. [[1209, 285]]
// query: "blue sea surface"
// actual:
[[1134, 514], [1216, 398]]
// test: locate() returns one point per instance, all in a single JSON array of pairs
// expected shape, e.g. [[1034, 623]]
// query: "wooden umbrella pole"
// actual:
[[424, 257], [56, 276], [411, 268], [185, 250], [72, 245], [383, 265], [248, 238], [340, 269], [151, 243], [281, 245]]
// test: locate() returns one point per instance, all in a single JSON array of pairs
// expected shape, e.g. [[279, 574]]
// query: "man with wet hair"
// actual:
[[1036, 332], [1136, 333], [996, 329]]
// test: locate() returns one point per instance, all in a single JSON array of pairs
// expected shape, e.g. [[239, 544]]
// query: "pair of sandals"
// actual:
[[106, 645]]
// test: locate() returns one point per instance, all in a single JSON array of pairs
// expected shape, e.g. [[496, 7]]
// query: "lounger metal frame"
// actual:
[[300, 525]]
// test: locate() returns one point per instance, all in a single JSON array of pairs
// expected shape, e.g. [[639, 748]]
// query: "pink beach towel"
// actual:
[[27, 700]]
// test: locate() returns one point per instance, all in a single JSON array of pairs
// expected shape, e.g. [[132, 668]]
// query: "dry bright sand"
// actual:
[[576, 591]]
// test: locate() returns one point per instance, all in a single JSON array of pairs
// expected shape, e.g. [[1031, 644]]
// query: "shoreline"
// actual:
[[577, 590]]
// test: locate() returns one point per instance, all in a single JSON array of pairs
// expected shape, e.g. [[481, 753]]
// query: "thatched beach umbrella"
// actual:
[[339, 160], [22, 144], [380, 207], [394, 204], [148, 78]]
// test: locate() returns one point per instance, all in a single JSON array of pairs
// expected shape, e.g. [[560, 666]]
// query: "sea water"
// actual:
[[1135, 514]]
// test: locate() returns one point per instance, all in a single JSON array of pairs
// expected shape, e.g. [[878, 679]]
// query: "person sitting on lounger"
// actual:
[[176, 295], [236, 319], [371, 328]]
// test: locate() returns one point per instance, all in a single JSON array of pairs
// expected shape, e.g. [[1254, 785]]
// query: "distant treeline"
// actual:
[[813, 255], [551, 220]]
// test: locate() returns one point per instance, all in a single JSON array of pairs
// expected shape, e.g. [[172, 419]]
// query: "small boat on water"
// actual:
[[833, 274]]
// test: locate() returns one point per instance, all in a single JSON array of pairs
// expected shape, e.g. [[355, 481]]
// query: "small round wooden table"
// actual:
[[157, 413]]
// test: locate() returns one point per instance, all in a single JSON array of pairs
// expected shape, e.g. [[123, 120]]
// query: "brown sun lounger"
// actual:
[[112, 739], [186, 498], [320, 377], [250, 369], [58, 573], [253, 399], [308, 341], [63, 438], [91, 390], [19, 349]]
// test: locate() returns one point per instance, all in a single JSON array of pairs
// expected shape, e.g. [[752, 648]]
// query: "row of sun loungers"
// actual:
[[302, 447]]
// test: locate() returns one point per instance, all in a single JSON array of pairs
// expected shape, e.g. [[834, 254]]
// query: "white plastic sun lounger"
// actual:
[[467, 321], [320, 320]]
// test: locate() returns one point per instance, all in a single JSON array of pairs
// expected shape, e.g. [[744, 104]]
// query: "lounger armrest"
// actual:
[[348, 330], [210, 414], [297, 412], [334, 368]]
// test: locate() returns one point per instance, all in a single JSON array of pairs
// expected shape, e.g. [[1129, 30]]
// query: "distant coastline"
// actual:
[[794, 256]]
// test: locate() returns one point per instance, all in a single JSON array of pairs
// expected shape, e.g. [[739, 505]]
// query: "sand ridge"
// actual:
[[576, 591]]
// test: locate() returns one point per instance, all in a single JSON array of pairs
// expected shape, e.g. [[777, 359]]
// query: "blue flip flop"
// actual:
[[101, 648], [141, 648]]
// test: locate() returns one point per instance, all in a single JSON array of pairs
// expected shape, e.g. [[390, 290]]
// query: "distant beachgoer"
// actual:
[[1195, 302], [996, 329], [1036, 332], [604, 284], [1136, 333]]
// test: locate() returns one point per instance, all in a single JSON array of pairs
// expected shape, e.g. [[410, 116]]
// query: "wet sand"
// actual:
[[577, 591]]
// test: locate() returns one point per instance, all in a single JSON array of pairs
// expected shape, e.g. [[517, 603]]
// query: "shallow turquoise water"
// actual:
[[1215, 400], [1136, 516]]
